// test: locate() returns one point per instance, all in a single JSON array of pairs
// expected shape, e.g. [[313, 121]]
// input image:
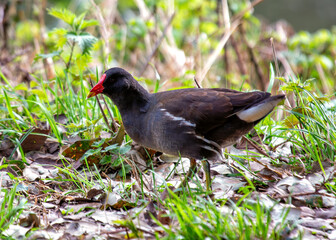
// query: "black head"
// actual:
[[120, 86], [114, 80], [117, 80]]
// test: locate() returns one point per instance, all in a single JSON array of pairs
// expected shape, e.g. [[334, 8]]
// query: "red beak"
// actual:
[[98, 88]]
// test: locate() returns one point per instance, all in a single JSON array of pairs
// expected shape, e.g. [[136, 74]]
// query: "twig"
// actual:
[[72, 49], [226, 13], [212, 58], [101, 109], [197, 84], [253, 59], [114, 123], [275, 59], [259, 149], [104, 23], [240, 62], [303, 194], [157, 44], [235, 23]]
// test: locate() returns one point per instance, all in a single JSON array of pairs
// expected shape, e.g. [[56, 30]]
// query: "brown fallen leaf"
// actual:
[[44, 158], [34, 141], [31, 221], [326, 213], [246, 144], [94, 192], [77, 150]]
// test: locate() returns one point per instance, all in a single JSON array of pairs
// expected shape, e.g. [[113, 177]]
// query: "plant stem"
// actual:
[[72, 49]]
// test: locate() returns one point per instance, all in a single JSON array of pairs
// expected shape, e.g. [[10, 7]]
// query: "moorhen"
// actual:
[[192, 122]]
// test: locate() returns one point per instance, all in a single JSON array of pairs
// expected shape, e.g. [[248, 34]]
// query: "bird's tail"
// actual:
[[260, 110]]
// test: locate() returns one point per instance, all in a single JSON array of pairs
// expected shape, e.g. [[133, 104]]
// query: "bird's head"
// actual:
[[114, 80]]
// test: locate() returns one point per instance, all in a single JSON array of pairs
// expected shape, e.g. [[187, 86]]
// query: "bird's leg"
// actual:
[[192, 168], [206, 168], [191, 171]]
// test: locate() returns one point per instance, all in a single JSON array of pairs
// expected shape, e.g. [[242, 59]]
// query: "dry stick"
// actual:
[[225, 24], [104, 22], [212, 58], [101, 109], [275, 59], [157, 44], [303, 194], [114, 123], [253, 59], [226, 13], [259, 149], [227, 65], [48, 68], [197, 84], [235, 22], [326, 87], [240, 62]]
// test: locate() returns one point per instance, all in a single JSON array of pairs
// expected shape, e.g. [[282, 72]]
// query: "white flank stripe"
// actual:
[[215, 151], [209, 141], [181, 119]]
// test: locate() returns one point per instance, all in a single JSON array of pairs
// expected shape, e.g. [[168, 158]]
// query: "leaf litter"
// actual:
[[79, 192]]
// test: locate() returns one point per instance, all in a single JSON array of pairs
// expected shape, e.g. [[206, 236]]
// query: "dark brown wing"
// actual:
[[207, 108]]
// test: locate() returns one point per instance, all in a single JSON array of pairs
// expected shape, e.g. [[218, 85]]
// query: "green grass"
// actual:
[[11, 206], [200, 218]]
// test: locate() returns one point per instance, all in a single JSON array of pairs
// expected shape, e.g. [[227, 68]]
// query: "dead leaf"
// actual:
[[119, 137], [79, 148], [107, 217], [244, 144], [34, 142], [51, 146], [31, 221], [94, 192], [115, 201], [326, 213], [44, 158]]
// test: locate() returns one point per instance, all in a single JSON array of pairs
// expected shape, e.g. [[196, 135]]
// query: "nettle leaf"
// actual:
[[88, 23], [91, 152], [82, 62], [59, 36], [124, 149], [84, 40], [78, 21], [21, 87], [110, 148], [63, 14], [98, 143], [106, 159], [48, 55]]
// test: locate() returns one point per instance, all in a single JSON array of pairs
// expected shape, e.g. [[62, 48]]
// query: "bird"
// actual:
[[196, 123]]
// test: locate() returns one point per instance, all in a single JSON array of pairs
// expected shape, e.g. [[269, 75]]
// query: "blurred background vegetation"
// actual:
[[126, 34]]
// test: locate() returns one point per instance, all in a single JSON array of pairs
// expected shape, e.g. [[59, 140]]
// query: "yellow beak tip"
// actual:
[[91, 94]]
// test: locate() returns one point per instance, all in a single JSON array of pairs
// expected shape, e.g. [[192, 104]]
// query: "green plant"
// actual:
[[312, 56], [200, 218], [311, 125], [65, 40], [10, 208]]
